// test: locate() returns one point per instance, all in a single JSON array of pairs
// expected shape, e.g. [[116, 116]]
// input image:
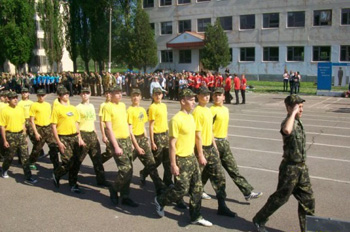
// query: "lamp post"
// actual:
[[110, 40]]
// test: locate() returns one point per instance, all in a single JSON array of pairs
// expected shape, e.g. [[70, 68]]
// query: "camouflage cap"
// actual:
[[157, 90], [293, 99], [186, 93], [62, 91], [12, 95], [5, 93], [24, 90], [108, 90], [116, 89], [41, 92], [219, 90], [204, 90], [135, 91], [85, 90]]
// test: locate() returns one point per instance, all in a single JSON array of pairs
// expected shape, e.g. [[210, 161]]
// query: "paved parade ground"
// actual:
[[257, 146]]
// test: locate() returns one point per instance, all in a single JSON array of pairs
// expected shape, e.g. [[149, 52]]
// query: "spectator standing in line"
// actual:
[[228, 96], [285, 80], [243, 88], [291, 81], [237, 86], [293, 175], [340, 76]]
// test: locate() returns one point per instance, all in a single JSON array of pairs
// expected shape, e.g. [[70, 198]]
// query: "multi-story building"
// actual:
[[265, 36]]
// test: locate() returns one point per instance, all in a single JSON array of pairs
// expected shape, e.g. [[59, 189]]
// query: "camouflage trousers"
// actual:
[[46, 137], [18, 143], [213, 171], [230, 165], [69, 159], [161, 156], [148, 161], [2, 148], [125, 167], [93, 148], [189, 181], [292, 179]]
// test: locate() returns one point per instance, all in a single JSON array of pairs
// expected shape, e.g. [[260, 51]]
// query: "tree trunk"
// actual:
[[75, 65], [86, 63]]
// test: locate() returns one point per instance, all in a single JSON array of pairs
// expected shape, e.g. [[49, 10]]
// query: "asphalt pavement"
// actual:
[[257, 146]]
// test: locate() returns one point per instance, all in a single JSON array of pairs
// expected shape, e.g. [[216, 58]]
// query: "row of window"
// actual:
[[270, 20], [150, 3], [319, 53]]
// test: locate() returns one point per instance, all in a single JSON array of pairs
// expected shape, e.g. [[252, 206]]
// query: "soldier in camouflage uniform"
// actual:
[[293, 172], [137, 117], [3, 104], [14, 137], [40, 113], [92, 81], [87, 130], [115, 117], [98, 83], [184, 165], [220, 115]]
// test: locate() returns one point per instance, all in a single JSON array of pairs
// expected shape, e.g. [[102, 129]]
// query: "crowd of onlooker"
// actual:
[[170, 82]]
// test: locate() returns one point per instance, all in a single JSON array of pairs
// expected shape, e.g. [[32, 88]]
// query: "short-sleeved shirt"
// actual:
[[3, 105], [237, 83], [220, 121], [65, 117], [159, 114], [12, 118], [116, 114], [182, 127], [26, 106], [41, 111], [204, 124], [101, 108], [137, 117], [294, 144], [87, 117]]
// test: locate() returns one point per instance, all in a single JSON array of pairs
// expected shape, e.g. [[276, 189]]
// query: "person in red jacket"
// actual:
[[218, 80], [243, 87], [227, 88], [237, 86]]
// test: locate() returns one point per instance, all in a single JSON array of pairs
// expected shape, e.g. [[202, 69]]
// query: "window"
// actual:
[[38, 26], [183, 1], [184, 25], [345, 16], [40, 60], [226, 23], [152, 26], [165, 2], [39, 43], [231, 55], [203, 0], [148, 3], [271, 54], [185, 56], [202, 24], [166, 56], [296, 19], [247, 22], [295, 54], [247, 54], [321, 53], [345, 53], [271, 20], [166, 28], [322, 17]]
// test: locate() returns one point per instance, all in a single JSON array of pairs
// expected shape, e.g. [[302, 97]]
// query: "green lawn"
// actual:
[[277, 87]]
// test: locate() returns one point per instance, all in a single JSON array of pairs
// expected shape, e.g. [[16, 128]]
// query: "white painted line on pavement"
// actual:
[[312, 177], [271, 139], [275, 130], [320, 102], [274, 152]]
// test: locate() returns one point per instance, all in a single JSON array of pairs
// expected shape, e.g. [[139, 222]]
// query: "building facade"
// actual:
[[265, 37]]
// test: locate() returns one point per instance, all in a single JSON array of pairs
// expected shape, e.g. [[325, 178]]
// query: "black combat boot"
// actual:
[[224, 210]]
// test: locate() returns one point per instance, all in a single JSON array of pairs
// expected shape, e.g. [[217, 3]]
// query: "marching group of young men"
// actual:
[[193, 147]]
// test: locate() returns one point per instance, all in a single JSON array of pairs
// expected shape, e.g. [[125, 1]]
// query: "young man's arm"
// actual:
[[172, 156], [102, 128], [81, 141], [200, 156], [151, 135], [117, 150], [288, 126], [61, 146], [139, 150], [37, 135]]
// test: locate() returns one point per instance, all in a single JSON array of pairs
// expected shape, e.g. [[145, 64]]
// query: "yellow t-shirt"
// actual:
[[116, 114], [87, 117], [41, 113], [101, 108], [204, 123], [221, 119], [26, 106], [3, 105], [159, 113], [137, 117], [12, 118], [65, 118], [182, 127]]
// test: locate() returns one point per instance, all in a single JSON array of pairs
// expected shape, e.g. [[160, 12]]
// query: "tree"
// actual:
[[216, 52], [143, 44], [17, 31], [52, 24]]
